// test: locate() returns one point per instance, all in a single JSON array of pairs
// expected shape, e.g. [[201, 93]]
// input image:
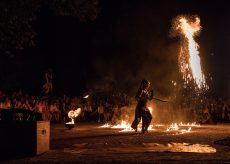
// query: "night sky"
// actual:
[[128, 41]]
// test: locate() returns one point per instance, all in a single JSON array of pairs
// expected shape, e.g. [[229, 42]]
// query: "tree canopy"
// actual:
[[16, 17]]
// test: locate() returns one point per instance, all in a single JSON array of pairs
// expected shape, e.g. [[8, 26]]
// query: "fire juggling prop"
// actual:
[[72, 114], [189, 59]]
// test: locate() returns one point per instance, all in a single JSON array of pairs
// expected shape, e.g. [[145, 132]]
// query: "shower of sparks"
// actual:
[[189, 59]]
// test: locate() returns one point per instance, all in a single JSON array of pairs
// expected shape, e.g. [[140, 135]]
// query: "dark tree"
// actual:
[[16, 17]]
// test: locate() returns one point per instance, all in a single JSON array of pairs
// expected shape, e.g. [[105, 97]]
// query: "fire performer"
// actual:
[[142, 111]]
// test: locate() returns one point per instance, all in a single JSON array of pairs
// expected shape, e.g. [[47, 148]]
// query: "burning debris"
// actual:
[[125, 126], [194, 124], [180, 127], [124, 123], [174, 127]]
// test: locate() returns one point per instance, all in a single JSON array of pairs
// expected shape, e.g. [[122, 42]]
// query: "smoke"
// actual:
[[159, 66], [127, 58], [144, 51], [162, 113], [138, 45]]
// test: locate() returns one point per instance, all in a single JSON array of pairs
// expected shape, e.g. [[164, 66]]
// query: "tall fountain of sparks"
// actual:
[[189, 59]]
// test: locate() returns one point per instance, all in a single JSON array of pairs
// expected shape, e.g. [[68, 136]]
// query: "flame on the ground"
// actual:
[[174, 127], [189, 59], [72, 114], [180, 127], [128, 129], [126, 126], [159, 125], [105, 126], [189, 124], [122, 125]]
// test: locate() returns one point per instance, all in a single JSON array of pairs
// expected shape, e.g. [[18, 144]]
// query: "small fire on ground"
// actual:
[[126, 127], [181, 127], [174, 127]]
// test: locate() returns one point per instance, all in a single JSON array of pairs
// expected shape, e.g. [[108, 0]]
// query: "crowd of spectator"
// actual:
[[216, 110], [97, 107], [101, 107]]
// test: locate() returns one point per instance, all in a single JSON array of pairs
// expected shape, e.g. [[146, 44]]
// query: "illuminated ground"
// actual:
[[87, 143]]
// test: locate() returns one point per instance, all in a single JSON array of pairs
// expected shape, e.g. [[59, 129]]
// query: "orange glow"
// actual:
[[126, 126]]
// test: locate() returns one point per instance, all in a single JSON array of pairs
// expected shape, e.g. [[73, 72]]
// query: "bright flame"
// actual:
[[72, 114], [189, 59], [127, 126], [173, 127], [185, 131], [159, 125], [85, 97], [122, 125], [151, 110], [189, 124], [176, 127], [71, 122], [105, 126]]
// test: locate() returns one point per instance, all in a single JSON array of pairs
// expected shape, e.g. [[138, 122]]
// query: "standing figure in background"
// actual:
[[142, 111], [100, 110], [48, 86]]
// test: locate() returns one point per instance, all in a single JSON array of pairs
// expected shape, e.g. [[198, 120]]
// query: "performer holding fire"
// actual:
[[142, 111]]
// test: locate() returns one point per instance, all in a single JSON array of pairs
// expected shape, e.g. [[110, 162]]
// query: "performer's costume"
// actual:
[[142, 111]]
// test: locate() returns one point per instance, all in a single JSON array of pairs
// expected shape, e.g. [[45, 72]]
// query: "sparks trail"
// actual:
[[189, 59]]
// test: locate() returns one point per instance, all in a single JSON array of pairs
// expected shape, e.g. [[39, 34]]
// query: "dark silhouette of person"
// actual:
[[48, 86], [142, 111]]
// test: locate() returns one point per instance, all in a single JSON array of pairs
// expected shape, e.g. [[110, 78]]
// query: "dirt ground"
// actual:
[[87, 143]]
